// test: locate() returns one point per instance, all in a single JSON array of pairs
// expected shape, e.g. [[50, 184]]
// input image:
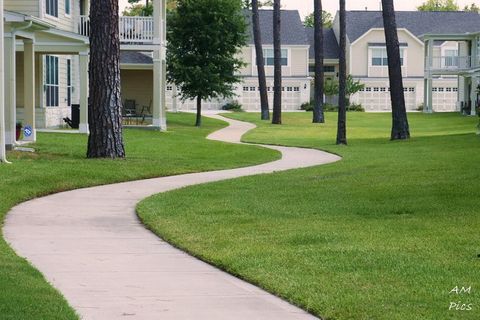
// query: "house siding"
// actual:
[[28, 7]]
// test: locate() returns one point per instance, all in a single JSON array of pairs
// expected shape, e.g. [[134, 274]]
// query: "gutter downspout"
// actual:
[[3, 153]]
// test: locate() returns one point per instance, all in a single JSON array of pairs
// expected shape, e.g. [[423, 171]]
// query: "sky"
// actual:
[[306, 6]]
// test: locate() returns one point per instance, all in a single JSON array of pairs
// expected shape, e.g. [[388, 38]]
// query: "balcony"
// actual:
[[452, 64], [133, 30]]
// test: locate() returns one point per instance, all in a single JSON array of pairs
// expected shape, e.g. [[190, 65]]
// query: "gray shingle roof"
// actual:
[[330, 44], [417, 22], [134, 57], [292, 30]]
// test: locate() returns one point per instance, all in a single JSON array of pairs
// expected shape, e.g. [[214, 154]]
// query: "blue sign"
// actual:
[[27, 131]]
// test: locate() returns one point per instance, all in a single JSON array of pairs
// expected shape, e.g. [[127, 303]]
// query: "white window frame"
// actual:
[[384, 56], [68, 5], [69, 82], [48, 5], [51, 81], [268, 53]]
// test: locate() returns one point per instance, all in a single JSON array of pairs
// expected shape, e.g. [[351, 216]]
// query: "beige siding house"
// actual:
[[295, 71], [46, 50], [446, 88]]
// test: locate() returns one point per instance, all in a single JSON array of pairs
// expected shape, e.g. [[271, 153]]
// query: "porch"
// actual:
[[462, 60]]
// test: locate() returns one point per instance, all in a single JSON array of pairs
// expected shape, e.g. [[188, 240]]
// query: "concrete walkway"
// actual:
[[91, 246]]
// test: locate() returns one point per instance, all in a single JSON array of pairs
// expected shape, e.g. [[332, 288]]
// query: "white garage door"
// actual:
[[444, 98], [291, 98], [375, 98]]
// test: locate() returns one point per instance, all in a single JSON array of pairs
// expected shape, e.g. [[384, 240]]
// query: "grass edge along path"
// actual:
[[386, 233], [60, 165]]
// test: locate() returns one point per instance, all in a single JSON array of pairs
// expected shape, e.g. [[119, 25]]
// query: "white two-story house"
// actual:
[[367, 57], [46, 61]]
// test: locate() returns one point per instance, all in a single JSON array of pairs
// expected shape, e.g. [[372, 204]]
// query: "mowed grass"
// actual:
[[59, 164], [386, 233]]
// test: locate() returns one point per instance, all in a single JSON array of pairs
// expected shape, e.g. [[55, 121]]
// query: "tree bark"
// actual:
[[262, 81], [198, 122], [277, 49], [318, 115], [342, 99], [400, 127], [105, 105]]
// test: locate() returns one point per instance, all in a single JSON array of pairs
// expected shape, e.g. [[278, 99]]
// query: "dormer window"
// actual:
[[268, 55], [51, 8], [380, 57]]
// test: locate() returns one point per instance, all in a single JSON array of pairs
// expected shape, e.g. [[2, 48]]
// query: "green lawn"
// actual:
[[386, 233], [60, 164]]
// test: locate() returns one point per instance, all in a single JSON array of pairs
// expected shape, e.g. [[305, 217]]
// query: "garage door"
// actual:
[[291, 98], [375, 98], [444, 98]]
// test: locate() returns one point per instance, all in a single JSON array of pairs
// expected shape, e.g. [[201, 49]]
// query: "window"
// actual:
[[245, 88], [330, 69], [169, 88], [252, 89], [411, 89], [380, 57], [451, 58], [269, 57], [51, 81], [67, 7], [368, 89], [455, 89], [289, 89], [296, 89], [383, 89], [376, 89], [69, 82], [51, 7]]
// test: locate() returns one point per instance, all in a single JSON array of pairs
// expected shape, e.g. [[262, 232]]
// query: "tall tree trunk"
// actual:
[[105, 105], [198, 122], [277, 50], [262, 81], [342, 99], [318, 115], [400, 127]]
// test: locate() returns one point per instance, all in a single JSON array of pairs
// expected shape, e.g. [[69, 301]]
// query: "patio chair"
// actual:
[[130, 109], [146, 111]]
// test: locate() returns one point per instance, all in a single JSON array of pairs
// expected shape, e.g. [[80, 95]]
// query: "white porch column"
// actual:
[[29, 89], [159, 115], [159, 65], [84, 93], [3, 157], [10, 91], [473, 94], [428, 82]]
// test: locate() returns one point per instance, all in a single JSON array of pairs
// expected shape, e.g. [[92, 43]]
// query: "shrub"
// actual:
[[234, 106], [356, 107], [307, 106]]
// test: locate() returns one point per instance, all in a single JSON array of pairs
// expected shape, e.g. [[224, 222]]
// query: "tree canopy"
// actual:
[[204, 41], [327, 19], [439, 5]]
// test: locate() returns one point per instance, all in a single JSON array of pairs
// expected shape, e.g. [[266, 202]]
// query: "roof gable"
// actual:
[[292, 29], [331, 50], [418, 23]]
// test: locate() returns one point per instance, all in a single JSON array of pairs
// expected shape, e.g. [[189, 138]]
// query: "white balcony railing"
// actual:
[[450, 63], [135, 30]]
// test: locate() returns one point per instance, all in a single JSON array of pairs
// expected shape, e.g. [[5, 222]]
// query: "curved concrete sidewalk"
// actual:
[[91, 246]]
